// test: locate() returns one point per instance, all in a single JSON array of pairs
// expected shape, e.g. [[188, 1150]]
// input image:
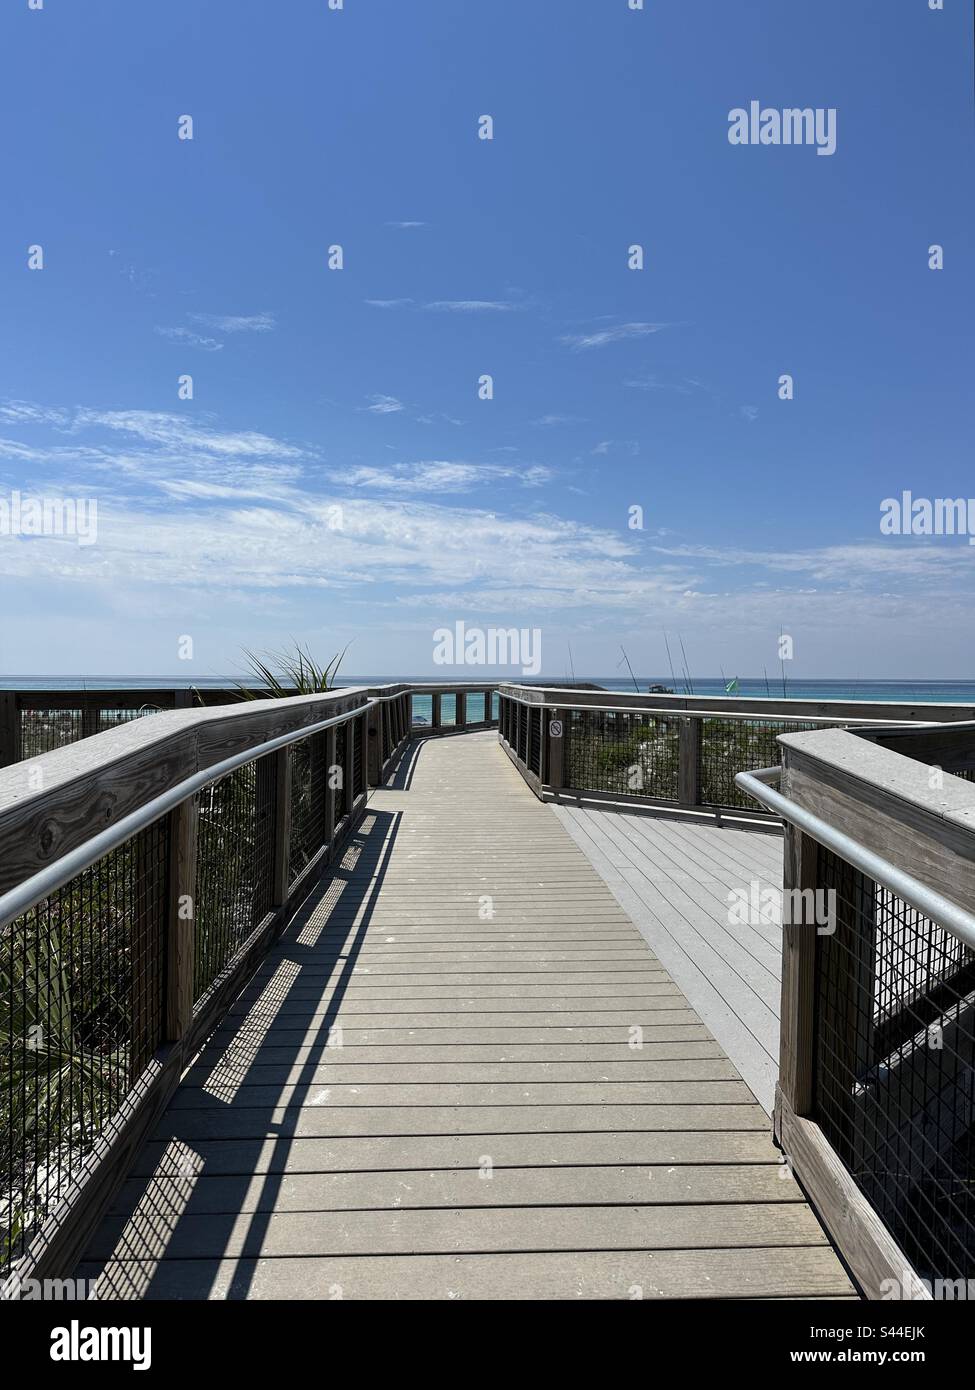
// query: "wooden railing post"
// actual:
[[281, 882], [797, 1042], [375, 723], [180, 918], [460, 709], [90, 711], [556, 731], [435, 711], [328, 828], [348, 771], [689, 762], [9, 728]]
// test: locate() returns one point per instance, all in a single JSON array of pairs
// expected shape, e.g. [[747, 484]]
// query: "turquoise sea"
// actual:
[[920, 691]]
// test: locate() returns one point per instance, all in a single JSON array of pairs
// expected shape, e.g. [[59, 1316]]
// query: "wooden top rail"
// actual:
[[51, 804], [951, 746], [887, 803], [838, 711]]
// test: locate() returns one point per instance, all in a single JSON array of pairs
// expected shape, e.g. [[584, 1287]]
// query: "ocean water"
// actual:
[[918, 691]]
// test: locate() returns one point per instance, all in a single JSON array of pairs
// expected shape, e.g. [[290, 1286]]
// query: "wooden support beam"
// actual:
[[328, 827], [435, 716], [281, 832], [555, 733], [797, 1038], [180, 919], [348, 772], [460, 708], [689, 762], [375, 744], [9, 728], [874, 1257]]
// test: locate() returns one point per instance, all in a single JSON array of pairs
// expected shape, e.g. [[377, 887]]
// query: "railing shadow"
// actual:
[[317, 952]]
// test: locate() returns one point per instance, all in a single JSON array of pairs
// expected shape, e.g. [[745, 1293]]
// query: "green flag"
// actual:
[[732, 687]]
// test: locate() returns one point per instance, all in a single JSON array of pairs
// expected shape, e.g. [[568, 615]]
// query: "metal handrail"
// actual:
[[943, 911], [16, 901], [670, 712]]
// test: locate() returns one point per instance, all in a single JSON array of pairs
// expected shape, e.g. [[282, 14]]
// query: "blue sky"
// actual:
[[357, 389]]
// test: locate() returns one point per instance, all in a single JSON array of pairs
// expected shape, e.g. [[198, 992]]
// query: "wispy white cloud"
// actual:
[[626, 446], [579, 342], [440, 475], [473, 306], [240, 516], [451, 306], [190, 339], [384, 405], [237, 323], [406, 224]]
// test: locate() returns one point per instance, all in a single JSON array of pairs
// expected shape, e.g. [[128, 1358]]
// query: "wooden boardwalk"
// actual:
[[462, 1074], [673, 878]]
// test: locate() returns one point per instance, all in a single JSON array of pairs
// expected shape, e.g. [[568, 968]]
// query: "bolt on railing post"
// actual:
[[180, 918], [689, 762]]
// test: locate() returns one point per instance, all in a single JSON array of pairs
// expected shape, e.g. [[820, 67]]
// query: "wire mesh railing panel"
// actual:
[[448, 709], [81, 1001], [630, 754], [112, 718], [235, 865], [523, 733], [475, 707], [535, 742], [895, 1067], [42, 730], [308, 779], [729, 746], [358, 765], [341, 791]]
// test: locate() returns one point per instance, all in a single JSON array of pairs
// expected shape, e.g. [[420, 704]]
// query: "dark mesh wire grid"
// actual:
[[42, 730], [895, 1085], [355, 727], [535, 741], [522, 732], [308, 779], [81, 999], [729, 746], [235, 865], [631, 754], [341, 791], [111, 718]]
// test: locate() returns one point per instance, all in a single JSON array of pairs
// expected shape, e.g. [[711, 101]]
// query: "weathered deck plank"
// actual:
[[674, 880], [429, 1091]]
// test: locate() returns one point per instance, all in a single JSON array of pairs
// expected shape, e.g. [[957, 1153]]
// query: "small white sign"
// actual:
[[555, 728]]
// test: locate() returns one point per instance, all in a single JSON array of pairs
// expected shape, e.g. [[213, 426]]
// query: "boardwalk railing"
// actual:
[[667, 752], [143, 874], [875, 1106], [33, 722]]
